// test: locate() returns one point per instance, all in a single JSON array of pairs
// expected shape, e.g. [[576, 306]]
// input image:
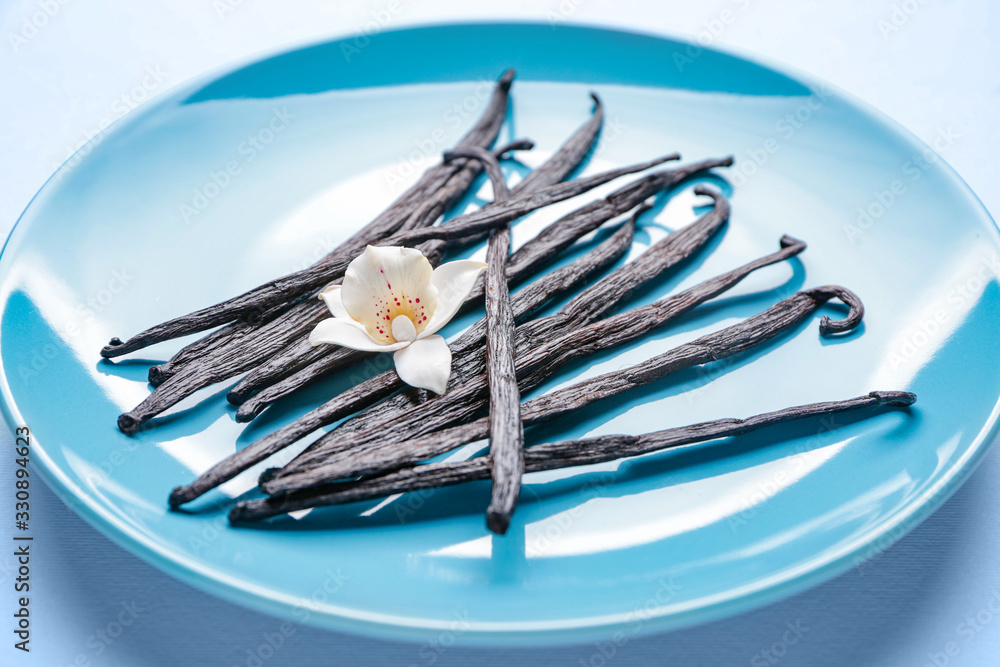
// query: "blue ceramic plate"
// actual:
[[257, 172]]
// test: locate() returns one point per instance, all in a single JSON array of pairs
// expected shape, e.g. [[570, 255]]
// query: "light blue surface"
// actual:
[[697, 534], [911, 602]]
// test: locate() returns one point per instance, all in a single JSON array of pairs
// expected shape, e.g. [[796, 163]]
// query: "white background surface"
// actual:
[[933, 66]]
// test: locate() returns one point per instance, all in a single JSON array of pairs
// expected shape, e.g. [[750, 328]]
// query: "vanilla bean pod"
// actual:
[[366, 393], [506, 432], [551, 456], [536, 364], [587, 307], [294, 368], [483, 133]]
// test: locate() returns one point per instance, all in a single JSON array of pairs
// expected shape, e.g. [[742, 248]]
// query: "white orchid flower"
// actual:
[[392, 300]]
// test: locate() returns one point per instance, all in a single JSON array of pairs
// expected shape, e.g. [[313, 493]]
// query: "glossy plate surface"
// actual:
[[257, 172]]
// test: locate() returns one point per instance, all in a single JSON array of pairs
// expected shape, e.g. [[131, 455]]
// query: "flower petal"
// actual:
[[348, 333], [454, 282], [426, 363], [332, 297], [384, 282]]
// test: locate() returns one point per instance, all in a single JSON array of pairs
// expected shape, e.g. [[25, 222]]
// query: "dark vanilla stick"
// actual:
[[550, 456]]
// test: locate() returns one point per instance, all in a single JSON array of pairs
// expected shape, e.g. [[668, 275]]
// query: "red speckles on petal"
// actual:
[[418, 300]]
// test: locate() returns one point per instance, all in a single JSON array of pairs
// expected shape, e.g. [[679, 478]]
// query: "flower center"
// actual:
[[390, 305], [403, 329]]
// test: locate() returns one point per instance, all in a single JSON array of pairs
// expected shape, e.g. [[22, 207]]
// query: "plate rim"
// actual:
[[822, 567]]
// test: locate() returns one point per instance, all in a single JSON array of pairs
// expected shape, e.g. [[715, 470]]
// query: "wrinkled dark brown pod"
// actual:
[[549, 456], [526, 301], [536, 364], [506, 431], [588, 306]]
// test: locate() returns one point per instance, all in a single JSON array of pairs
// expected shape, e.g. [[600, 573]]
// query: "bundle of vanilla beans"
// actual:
[[390, 430]]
